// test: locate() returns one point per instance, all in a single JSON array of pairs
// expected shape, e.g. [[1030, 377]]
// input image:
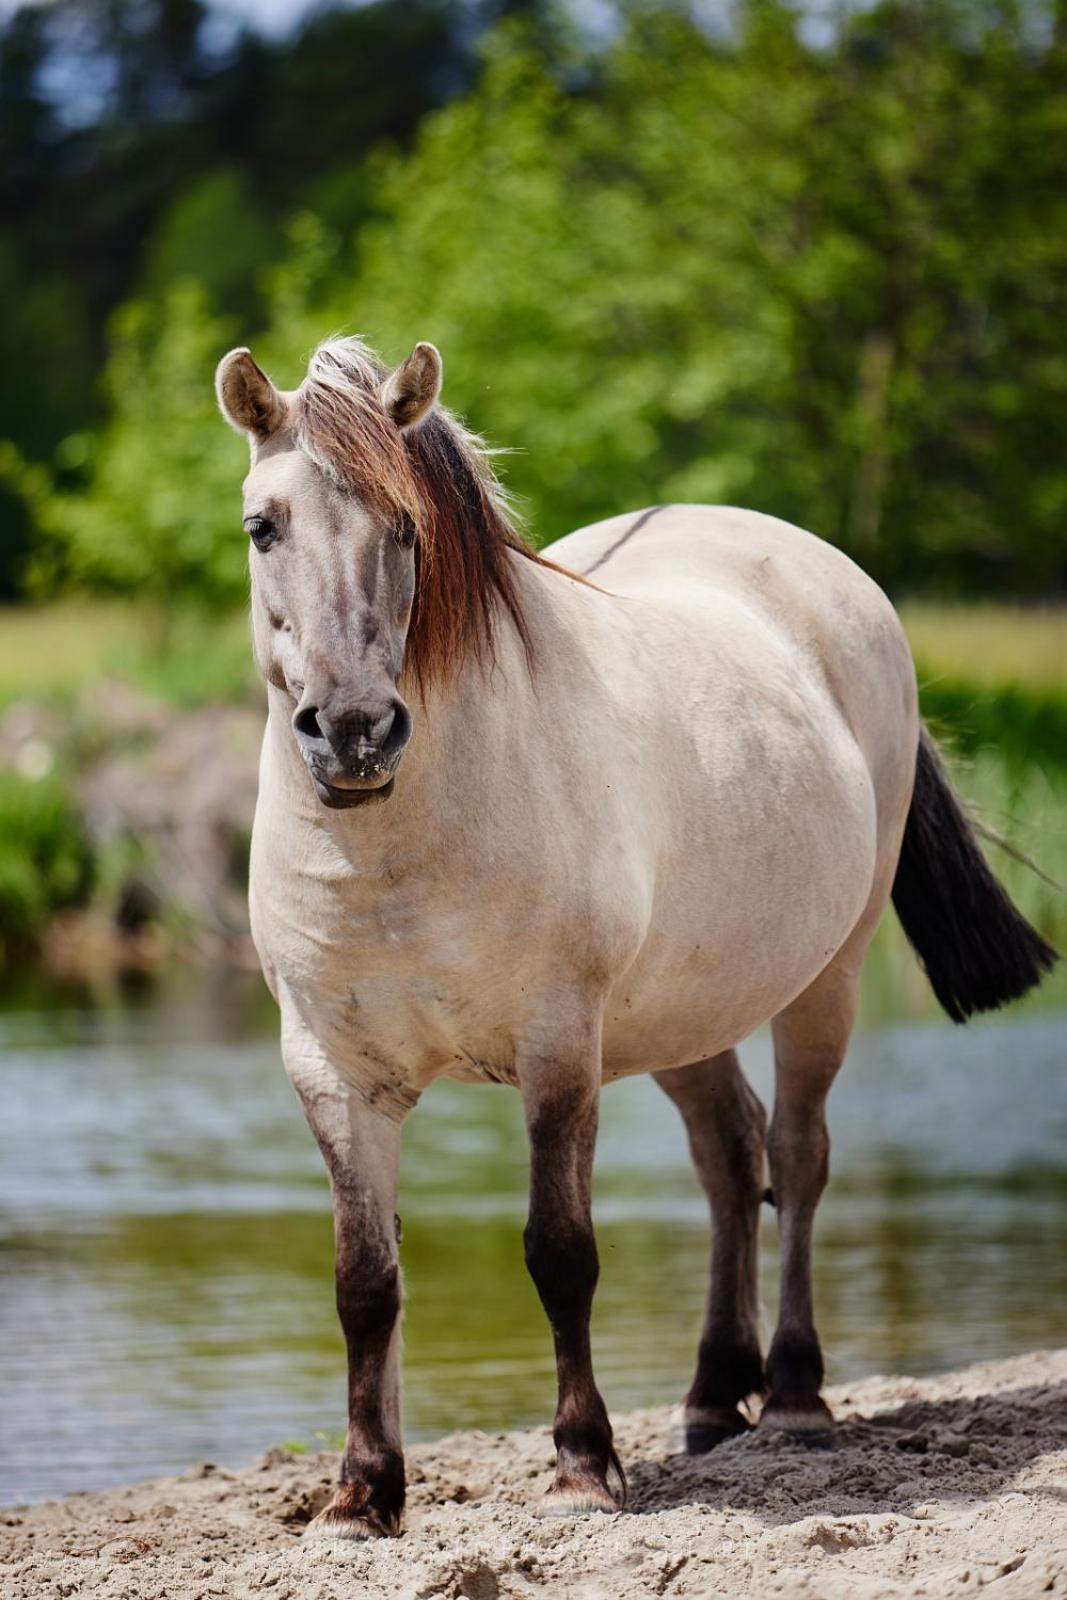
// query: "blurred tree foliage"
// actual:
[[825, 276], [145, 139]]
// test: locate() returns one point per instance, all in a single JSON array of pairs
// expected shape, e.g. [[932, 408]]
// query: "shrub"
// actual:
[[45, 862]]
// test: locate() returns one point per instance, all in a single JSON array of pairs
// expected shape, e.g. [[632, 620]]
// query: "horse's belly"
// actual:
[[656, 1019], [741, 927], [650, 1026]]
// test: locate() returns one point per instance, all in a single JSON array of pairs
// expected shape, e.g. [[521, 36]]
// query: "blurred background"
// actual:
[[807, 257]]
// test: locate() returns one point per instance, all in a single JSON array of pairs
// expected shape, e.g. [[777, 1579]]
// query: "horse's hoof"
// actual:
[[575, 1495], [810, 1423], [704, 1432], [348, 1516]]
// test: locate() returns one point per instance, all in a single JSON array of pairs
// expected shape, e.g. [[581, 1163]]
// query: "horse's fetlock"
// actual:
[[367, 1504], [584, 1439], [373, 1479], [795, 1366], [589, 1475], [728, 1371]]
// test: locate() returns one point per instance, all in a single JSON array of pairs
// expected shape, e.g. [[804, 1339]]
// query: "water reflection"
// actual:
[[165, 1242]]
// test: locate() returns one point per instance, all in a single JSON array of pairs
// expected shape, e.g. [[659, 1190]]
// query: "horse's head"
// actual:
[[333, 511]]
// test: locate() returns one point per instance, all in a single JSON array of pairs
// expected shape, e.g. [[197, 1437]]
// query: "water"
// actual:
[[165, 1280]]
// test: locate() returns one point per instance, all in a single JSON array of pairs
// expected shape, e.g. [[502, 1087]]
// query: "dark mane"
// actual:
[[440, 476]]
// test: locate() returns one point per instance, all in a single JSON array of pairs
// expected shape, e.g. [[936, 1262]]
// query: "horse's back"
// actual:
[[794, 579], [808, 594]]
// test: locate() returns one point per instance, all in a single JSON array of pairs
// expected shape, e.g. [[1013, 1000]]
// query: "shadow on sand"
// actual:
[[901, 1458]]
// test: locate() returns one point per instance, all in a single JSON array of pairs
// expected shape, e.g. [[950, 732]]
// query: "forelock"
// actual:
[[441, 476], [342, 426]]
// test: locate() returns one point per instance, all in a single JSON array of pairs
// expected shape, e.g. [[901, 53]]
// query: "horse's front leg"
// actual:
[[561, 1094], [361, 1149]]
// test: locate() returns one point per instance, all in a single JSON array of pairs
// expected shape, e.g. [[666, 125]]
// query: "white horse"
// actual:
[[549, 825]]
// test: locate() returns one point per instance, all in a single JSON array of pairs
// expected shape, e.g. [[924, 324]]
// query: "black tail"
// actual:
[[976, 948]]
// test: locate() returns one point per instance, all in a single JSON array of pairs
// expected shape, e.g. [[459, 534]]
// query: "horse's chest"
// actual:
[[391, 972]]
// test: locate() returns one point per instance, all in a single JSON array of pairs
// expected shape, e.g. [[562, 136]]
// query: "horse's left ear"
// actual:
[[409, 393]]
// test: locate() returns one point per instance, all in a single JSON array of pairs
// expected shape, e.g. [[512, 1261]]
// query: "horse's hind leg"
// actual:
[[726, 1124], [810, 1039]]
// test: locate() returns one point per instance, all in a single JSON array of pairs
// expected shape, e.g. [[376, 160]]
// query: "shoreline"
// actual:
[[938, 1486]]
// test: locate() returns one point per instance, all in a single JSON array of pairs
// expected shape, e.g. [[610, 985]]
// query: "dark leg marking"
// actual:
[[725, 1123], [810, 1039], [369, 1501], [368, 1305], [561, 1256]]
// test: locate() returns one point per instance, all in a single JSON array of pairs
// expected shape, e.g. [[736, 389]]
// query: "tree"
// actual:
[[161, 518], [828, 283]]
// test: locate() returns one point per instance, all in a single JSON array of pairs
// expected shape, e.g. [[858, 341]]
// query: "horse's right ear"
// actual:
[[247, 398]]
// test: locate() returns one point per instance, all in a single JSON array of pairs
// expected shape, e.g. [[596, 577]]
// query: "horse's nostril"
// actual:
[[378, 731], [399, 728], [306, 722]]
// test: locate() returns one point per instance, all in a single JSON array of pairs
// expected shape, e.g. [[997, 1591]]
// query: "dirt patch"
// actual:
[[940, 1487]]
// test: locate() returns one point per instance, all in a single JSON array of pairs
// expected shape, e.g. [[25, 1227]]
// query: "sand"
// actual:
[[937, 1487]]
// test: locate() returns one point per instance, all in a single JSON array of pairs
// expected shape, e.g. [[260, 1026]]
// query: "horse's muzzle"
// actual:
[[369, 777], [353, 757]]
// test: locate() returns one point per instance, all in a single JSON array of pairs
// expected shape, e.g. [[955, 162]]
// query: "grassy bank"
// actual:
[[994, 678], [185, 657], [99, 701]]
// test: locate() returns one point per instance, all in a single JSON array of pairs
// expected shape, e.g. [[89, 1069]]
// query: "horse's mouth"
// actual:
[[344, 799], [341, 796]]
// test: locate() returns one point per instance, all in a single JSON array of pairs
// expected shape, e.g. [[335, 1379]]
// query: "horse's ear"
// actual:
[[247, 398], [409, 393]]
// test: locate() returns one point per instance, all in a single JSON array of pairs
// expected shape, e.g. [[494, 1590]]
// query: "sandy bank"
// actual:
[[939, 1487]]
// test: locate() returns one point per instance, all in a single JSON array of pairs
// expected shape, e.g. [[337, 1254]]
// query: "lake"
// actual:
[[165, 1243]]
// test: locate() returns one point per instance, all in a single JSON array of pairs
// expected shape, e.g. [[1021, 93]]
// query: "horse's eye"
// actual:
[[405, 533], [262, 532]]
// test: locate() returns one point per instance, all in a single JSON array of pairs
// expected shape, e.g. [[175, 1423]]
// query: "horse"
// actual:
[[548, 820]]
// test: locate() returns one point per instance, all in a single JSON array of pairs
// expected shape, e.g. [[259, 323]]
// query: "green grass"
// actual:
[[989, 645], [1027, 806], [993, 678], [56, 650], [1023, 726]]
